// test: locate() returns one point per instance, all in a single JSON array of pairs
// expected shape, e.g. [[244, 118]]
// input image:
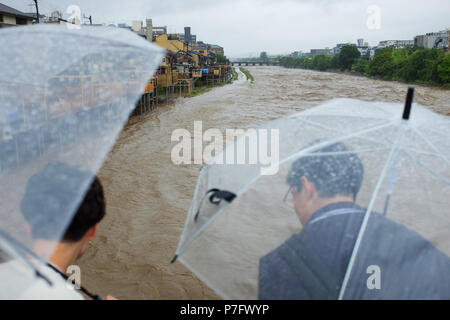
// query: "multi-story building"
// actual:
[[10, 17], [183, 38], [395, 43], [390, 43], [172, 43], [316, 52], [187, 36], [149, 32], [55, 18], [431, 40], [364, 50], [296, 54], [159, 31], [137, 25], [124, 26], [363, 47], [216, 49], [201, 48]]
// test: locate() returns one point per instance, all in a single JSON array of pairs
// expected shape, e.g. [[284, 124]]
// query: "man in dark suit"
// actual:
[[392, 262]]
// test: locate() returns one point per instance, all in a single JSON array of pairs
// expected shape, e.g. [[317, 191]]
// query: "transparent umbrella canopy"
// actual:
[[358, 208], [65, 95]]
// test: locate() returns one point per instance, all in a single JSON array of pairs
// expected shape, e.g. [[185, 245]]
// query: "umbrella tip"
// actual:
[[408, 103], [174, 259]]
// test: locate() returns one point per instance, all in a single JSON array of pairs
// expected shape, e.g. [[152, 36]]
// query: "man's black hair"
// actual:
[[338, 173], [53, 193]]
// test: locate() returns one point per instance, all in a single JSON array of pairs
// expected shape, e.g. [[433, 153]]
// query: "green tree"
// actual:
[[422, 66], [407, 64], [334, 63], [444, 70], [400, 63], [361, 66], [366, 56], [305, 63], [321, 62], [302, 63], [221, 59], [382, 64], [263, 56], [347, 57]]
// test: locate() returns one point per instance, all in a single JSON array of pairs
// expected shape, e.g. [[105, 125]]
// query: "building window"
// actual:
[[1, 18], [21, 21]]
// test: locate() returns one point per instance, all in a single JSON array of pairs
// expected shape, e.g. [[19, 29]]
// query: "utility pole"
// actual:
[[90, 18], [37, 11]]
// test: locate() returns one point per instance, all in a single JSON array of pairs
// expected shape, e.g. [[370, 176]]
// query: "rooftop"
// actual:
[[12, 11]]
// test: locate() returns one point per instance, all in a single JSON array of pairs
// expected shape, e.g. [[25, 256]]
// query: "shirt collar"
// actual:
[[335, 207]]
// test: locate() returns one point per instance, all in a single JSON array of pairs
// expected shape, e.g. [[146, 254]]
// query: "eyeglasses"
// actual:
[[288, 198]]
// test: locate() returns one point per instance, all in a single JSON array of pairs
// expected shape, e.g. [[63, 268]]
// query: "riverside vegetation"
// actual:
[[247, 73], [409, 64]]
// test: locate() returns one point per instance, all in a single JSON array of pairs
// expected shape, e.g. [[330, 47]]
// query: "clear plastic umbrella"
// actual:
[[357, 208], [64, 97]]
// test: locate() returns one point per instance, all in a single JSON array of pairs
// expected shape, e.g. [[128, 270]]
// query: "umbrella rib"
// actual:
[[323, 127], [441, 128], [330, 142], [200, 230], [310, 112], [367, 214], [420, 163], [432, 146], [345, 152], [335, 130], [432, 172], [205, 280], [16, 249], [437, 154], [421, 152]]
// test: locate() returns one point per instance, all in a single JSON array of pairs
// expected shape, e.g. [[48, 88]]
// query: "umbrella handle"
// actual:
[[215, 198], [408, 103]]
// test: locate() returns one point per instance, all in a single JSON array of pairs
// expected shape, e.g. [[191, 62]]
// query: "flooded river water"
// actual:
[[148, 196]]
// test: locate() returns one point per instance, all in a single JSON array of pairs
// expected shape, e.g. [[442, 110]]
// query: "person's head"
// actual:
[[53, 194], [330, 174]]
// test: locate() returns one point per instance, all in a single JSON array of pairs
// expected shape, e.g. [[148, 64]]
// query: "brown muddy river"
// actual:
[[148, 196]]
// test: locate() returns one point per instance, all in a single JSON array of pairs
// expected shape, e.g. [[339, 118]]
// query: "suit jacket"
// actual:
[[393, 262]]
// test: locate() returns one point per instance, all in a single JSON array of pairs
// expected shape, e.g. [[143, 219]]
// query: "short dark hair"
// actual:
[[338, 173], [52, 193]]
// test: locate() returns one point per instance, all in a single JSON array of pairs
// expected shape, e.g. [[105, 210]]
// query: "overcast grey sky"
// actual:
[[247, 27]]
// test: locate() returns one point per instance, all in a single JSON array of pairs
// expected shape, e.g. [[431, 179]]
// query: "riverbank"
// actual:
[[247, 73], [377, 78], [164, 96], [204, 89], [411, 65]]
